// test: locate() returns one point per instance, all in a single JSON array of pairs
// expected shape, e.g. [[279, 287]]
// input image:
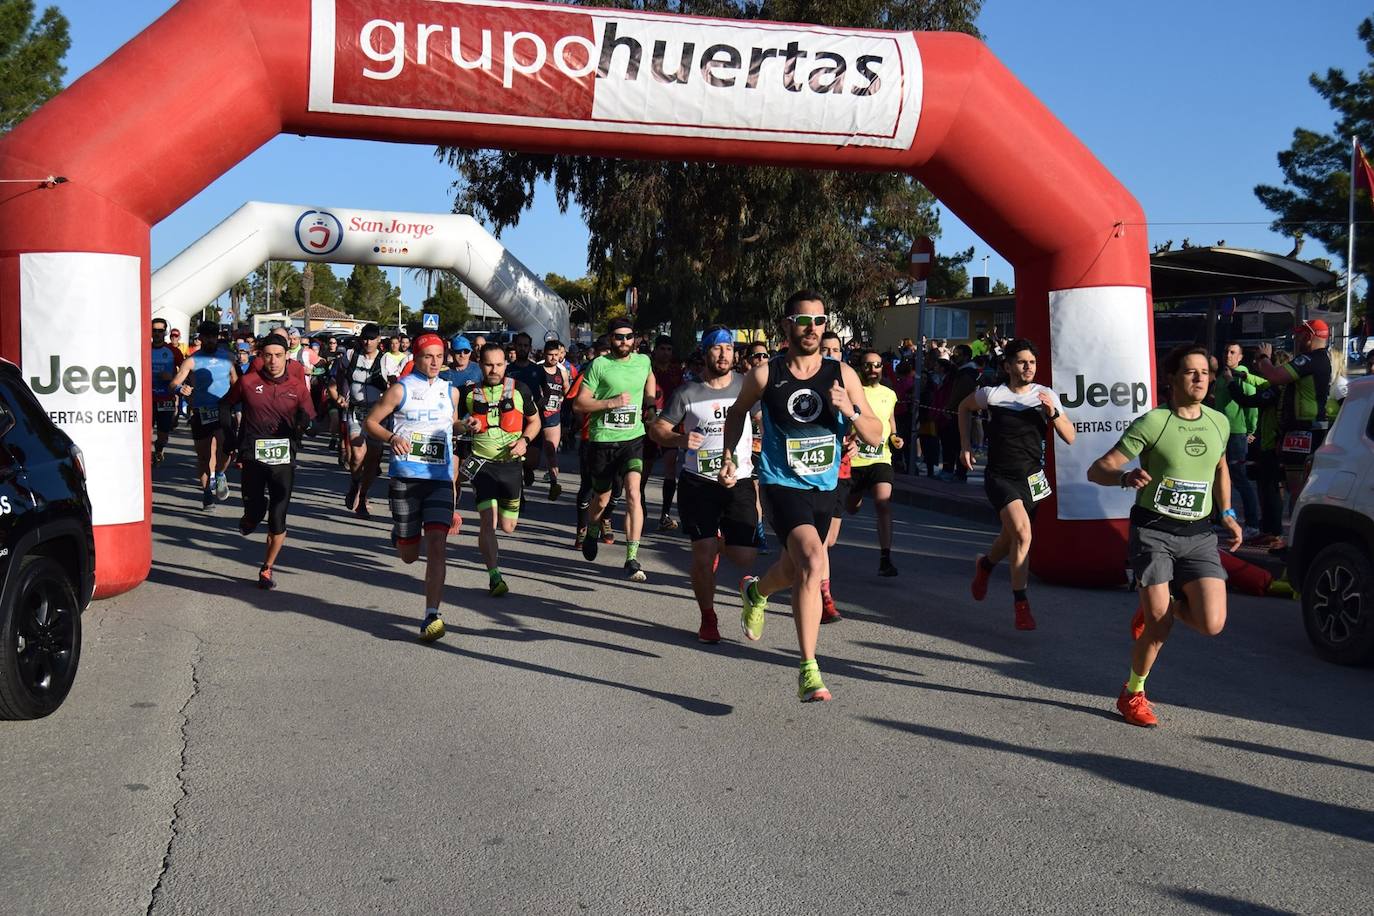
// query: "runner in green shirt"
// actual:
[[1182, 451], [614, 393]]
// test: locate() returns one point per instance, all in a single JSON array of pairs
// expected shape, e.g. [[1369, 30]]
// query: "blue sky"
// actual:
[[1186, 103]]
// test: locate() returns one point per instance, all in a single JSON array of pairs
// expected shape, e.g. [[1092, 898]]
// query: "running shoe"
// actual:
[[581, 537], [1024, 620], [265, 579], [1136, 709], [498, 588], [751, 621], [607, 535], [1281, 588], [432, 628], [810, 687], [207, 497], [634, 571], [157, 458], [548, 477], [667, 523], [221, 486], [361, 511], [350, 501], [245, 528], [1138, 621], [529, 476], [829, 613], [980, 579], [589, 548], [885, 567], [555, 491], [709, 632]]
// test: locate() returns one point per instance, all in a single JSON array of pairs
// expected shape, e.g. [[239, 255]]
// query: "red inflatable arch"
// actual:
[[213, 80]]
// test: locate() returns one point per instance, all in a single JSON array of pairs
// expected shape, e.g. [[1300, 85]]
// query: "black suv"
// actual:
[[47, 554]]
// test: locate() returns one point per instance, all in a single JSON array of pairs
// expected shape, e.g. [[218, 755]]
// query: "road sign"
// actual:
[[922, 258], [430, 321]]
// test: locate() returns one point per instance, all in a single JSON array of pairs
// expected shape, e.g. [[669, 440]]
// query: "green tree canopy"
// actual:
[[369, 295], [31, 55], [1316, 167], [706, 242], [448, 302]]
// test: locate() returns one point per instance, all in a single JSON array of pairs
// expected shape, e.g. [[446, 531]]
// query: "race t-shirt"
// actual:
[[1017, 441], [882, 400], [607, 377], [1181, 457], [1304, 401], [490, 402], [701, 408]]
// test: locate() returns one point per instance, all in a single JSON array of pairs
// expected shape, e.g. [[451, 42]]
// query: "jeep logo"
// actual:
[[78, 379], [1135, 395]]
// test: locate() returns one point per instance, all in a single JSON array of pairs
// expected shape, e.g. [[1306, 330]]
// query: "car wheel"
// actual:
[[1338, 605], [40, 640]]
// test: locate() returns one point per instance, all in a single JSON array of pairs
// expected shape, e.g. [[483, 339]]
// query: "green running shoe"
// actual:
[[810, 687], [752, 618], [498, 588]]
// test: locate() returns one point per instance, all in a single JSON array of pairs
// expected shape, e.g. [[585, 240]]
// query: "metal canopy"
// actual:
[[1200, 273]]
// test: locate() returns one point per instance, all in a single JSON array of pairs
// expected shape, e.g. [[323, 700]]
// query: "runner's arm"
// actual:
[[183, 370], [867, 425], [967, 408], [1107, 471], [384, 408], [750, 392], [1221, 497]]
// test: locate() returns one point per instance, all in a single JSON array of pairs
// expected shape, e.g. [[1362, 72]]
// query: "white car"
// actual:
[[1331, 549]]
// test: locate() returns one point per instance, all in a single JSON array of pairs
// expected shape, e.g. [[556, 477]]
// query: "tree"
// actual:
[[283, 292], [591, 300], [238, 295], [370, 296], [31, 55], [1316, 167], [949, 276], [448, 302], [1001, 289], [705, 241]]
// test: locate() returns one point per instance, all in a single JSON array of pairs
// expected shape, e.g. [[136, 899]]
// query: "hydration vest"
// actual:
[[511, 419]]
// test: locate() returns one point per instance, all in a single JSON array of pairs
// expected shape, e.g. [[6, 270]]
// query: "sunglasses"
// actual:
[[762, 354], [463, 351], [807, 321], [622, 337], [873, 365]]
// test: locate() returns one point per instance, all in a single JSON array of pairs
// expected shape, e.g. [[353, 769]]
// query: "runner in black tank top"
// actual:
[[553, 391]]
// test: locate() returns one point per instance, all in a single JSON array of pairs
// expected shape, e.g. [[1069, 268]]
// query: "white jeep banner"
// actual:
[[608, 70], [1103, 372], [82, 348]]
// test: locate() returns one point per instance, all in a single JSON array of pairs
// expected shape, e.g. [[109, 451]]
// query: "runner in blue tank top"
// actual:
[[205, 379], [808, 406]]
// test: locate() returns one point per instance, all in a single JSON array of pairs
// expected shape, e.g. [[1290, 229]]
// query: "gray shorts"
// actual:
[[1158, 557]]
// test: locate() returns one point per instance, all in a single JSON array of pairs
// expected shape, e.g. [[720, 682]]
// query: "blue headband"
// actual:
[[717, 337]]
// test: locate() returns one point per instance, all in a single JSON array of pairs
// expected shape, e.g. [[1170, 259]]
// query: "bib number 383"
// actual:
[[812, 455], [1182, 499]]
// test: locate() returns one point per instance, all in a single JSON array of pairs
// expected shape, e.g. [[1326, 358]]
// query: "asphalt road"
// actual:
[[572, 748]]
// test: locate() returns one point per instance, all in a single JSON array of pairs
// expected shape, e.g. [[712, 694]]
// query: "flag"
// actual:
[[1364, 173]]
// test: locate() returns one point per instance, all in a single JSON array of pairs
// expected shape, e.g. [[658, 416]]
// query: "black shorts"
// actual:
[[1003, 491], [708, 509], [608, 460], [793, 507], [266, 490], [419, 504], [165, 419], [842, 488], [205, 422], [500, 484], [865, 477]]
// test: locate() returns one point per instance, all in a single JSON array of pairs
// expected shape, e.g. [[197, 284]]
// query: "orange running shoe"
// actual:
[[829, 613], [980, 579], [1138, 621], [1136, 709], [1024, 620]]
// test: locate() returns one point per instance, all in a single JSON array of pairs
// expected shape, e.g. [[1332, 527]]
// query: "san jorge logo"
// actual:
[[319, 232]]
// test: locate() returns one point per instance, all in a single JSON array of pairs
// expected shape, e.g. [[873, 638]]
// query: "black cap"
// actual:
[[369, 332]]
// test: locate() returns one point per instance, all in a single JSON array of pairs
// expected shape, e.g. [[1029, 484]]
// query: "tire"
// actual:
[[1338, 604], [40, 640]]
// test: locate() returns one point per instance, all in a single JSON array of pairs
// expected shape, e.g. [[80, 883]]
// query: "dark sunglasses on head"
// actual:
[[807, 321]]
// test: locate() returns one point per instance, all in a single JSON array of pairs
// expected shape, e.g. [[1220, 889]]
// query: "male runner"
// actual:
[[276, 408], [166, 359], [872, 465], [808, 404], [502, 415], [614, 389], [1022, 415], [667, 377], [552, 392], [1306, 391], [359, 383], [205, 378], [422, 409], [464, 371], [1182, 451], [718, 519]]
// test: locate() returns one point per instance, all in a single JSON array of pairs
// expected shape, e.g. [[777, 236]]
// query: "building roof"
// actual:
[[1200, 273], [321, 313]]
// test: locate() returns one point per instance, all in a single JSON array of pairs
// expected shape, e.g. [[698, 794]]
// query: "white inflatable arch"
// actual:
[[258, 232]]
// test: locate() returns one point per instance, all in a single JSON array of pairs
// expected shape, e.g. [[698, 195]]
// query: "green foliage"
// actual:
[[949, 276], [370, 296], [1316, 167], [449, 303], [31, 55], [1001, 289], [284, 291], [709, 242]]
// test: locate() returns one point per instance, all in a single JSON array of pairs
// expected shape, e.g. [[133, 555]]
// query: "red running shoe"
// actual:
[[1138, 621], [710, 629], [265, 578], [607, 535], [1136, 709], [980, 579], [829, 613], [1024, 620]]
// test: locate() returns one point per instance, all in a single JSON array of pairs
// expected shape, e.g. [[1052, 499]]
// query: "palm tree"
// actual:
[[238, 294]]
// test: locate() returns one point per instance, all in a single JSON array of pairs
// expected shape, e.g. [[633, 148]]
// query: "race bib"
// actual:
[[1181, 499], [167, 406], [812, 455], [471, 467], [621, 418], [427, 450], [1298, 442], [555, 403], [1039, 486], [207, 415], [710, 461], [869, 451], [272, 451]]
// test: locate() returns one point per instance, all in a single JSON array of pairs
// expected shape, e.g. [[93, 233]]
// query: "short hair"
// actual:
[[829, 334], [520, 335], [491, 348], [553, 343], [967, 352], [1173, 361], [160, 321], [272, 340], [616, 323], [867, 352], [1016, 346], [802, 295]]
